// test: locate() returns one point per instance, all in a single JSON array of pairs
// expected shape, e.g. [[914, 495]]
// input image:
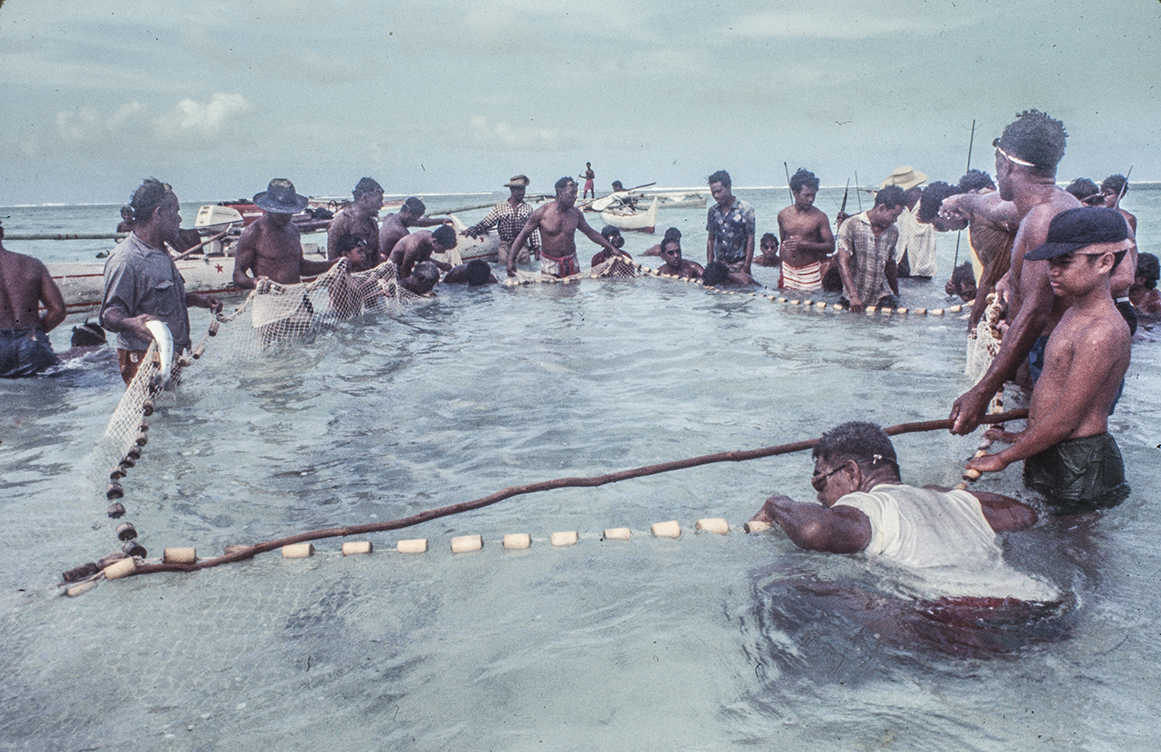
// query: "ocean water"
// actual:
[[704, 642]]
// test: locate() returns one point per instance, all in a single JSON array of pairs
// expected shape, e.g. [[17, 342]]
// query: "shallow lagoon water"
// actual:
[[701, 643]]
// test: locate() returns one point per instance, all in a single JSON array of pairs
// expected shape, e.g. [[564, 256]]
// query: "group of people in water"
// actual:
[[1062, 264]]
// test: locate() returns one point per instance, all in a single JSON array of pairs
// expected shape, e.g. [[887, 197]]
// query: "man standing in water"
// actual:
[[24, 284], [142, 282], [358, 219], [558, 221], [508, 217], [270, 247], [1027, 154], [730, 224], [806, 236], [395, 226], [866, 252]]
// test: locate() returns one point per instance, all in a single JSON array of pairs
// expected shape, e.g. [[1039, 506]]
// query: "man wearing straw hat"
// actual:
[[916, 246], [24, 284], [508, 217], [270, 247]]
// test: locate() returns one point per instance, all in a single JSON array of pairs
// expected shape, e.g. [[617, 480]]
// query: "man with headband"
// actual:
[[1068, 453], [1026, 158]]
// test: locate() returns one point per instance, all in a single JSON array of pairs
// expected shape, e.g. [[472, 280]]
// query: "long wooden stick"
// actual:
[[197, 247], [546, 485], [67, 236], [1124, 189], [786, 167], [971, 142]]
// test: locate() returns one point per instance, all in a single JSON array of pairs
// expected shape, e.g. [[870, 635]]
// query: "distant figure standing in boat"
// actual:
[[508, 217], [358, 219], [558, 222], [270, 247], [142, 283], [730, 224], [395, 226], [806, 237], [24, 284], [589, 176]]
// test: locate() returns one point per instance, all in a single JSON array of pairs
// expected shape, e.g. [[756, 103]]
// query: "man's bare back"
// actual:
[[24, 284], [806, 235], [271, 248], [410, 250], [391, 231]]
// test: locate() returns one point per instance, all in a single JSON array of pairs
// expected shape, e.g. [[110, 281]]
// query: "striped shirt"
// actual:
[[871, 254]]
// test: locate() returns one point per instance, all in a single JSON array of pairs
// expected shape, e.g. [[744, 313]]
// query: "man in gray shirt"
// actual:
[[142, 282]]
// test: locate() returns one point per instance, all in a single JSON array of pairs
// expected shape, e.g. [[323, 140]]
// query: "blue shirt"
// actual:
[[730, 230]]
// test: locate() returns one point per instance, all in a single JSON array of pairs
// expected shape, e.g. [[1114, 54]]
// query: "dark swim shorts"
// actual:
[[24, 352], [1129, 313], [1079, 475], [1036, 358]]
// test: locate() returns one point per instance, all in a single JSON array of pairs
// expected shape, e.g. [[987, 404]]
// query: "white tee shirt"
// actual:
[[918, 240], [944, 542]]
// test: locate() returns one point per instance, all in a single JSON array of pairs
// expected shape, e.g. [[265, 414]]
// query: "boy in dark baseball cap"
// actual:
[[1068, 453]]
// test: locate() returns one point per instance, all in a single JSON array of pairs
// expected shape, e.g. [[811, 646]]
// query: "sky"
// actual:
[[216, 98]]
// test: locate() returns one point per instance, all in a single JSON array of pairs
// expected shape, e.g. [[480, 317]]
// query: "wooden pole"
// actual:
[[507, 493], [786, 167], [959, 233]]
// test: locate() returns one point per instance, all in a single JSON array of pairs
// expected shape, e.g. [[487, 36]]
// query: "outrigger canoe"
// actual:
[[626, 218]]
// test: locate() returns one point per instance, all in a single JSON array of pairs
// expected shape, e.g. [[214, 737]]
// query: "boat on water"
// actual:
[[627, 218], [678, 199], [82, 284]]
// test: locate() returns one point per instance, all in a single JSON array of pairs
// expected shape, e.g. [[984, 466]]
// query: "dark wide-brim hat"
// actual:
[[517, 181], [280, 198], [1076, 228]]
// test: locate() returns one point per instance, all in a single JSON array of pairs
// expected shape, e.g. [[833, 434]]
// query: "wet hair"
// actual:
[[932, 199], [671, 234], [962, 277], [148, 196], [88, 334], [891, 196], [1115, 184], [1037, 138], [768, 236], [426, 273], [1082, 188], [721, 176], [865, 443], [715, 273], [366, 185], [478, 272], [445, 236], [803, 177], [414, 206], [561, 184], [347, 242], [973, 180], [618, 185], [1148, 268], [608, 232], [668, 241]]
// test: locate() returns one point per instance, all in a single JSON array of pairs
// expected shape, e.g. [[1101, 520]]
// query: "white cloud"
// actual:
[[200, 120], [869, 21], [85, 125], [501, 134]]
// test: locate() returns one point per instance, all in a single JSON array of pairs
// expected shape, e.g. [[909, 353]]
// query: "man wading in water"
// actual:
[[558, 221]]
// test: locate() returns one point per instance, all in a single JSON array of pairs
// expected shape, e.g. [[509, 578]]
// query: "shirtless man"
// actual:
[[616, 239], [719, 274], [589, 176], [806, 236], [1113, 189], [395, 226], [768, 246], [991, 223], [1068, 453], [1026, 157], [270, 247], [1143, 293], [24, 284], [419, 246], [671, 234], [558, 221], [473, 274], [358, 219], [675, 264]]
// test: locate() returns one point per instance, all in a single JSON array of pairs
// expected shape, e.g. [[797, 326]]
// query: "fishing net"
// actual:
[[272, 315], [983, 343]]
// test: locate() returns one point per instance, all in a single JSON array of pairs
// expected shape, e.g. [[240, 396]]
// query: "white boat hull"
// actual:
[[644, 221]]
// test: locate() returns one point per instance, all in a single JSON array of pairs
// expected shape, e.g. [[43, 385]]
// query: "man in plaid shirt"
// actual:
[[508, 217], [866, 252]]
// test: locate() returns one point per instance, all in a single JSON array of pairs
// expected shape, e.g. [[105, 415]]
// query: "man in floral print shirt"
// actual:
[[730, 225]]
